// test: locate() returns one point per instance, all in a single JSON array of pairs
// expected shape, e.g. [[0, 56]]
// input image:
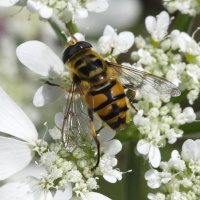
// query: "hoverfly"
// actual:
[[100, 85]]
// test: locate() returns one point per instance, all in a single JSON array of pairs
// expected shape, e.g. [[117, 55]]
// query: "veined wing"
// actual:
[[76, 120], [145, 82]]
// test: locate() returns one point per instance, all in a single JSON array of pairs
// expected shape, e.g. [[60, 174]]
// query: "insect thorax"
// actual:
[[88, 66]]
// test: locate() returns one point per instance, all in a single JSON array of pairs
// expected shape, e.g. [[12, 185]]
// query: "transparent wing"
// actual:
[[146, 83], [76, 120]]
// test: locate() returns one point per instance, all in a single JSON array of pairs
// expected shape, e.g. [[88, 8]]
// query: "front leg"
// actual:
[[56, 85]]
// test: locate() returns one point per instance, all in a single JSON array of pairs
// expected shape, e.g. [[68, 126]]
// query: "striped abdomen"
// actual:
[[110, 104]]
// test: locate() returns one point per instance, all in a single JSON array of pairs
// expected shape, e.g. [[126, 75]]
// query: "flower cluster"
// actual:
[[65, 171], [179, 177], [66, 10], [189, 7], [160, 55]]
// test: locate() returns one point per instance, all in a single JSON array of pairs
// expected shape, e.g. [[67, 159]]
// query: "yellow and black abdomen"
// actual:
[[109, 103]]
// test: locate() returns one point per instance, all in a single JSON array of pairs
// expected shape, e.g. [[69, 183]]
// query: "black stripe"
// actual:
[[105, 90], [118, 123], [109, 101], [116, 111], [78, 63], [91, 66]]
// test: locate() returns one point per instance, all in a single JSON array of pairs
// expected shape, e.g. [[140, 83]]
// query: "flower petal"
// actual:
[[96, 5], [143, 147], [106, 134], [91, 196], [14, 121], [45, 12], [109, 31], [154, 156], [126, 40], [189, 150], [7, 3], [46, 94], [34, 5], [110, 178], [13, 191], [40, 58], [80, 13], [150, 23], [113, 147], [14, 156], [96, 196], [39, 193], [67, 194], [163, 21]]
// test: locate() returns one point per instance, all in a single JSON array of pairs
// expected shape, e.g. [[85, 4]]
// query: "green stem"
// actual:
[[58, 31], [132, 180], [183, 23], [72, 27]]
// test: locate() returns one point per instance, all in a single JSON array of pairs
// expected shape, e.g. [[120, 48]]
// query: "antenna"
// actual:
[[74, 40]]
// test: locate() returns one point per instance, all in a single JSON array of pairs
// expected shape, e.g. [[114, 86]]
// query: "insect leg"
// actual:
[[61, 87], [90, 114], [132, 97]]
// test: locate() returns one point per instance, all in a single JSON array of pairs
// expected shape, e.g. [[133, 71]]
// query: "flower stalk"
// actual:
[[183, 23]]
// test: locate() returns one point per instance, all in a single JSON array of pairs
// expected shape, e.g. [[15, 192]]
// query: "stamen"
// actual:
[[195, 32], [46, 130], [86, 31]]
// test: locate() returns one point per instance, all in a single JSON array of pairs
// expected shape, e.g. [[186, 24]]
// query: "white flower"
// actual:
[[190, 7], [145, 57], [149, 146], [96, 5], [173, 77], [139, 120], [121, 43], [175, 34], [193, 71], [190, 115], [188, 45], [172, 135], [191, 154], [42, 60], [15, 154], [74, 176], [106, 165], [48, 158], [157, 196], [192, 95], [158, 27], [32, 189], [55, 133], [176, 162], [8, 3], [78, 36], [108, 146], [156, 178], [73, 11], [91, 196], [44, 11]]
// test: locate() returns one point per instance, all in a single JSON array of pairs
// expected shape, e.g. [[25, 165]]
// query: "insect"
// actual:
[[100, 85]]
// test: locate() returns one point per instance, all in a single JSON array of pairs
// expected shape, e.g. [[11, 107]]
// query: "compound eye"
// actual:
[[71, 50]]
